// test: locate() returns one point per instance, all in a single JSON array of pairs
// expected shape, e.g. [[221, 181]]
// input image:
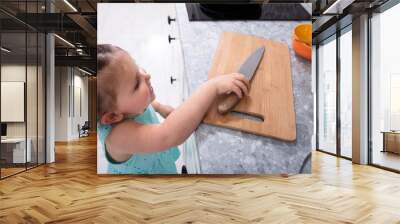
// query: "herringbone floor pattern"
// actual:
[[70, 191]]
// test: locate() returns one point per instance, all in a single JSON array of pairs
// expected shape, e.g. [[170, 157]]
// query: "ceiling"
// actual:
[[72, 20], [76, 22], [332, 15]]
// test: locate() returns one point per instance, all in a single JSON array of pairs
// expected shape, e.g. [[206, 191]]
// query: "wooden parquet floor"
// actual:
[[70, 191], [10, 171]]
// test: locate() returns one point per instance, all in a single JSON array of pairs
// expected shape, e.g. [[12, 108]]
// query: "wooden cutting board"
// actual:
[[271, 93]]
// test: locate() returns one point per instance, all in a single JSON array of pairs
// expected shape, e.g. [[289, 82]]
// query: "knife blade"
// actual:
[[248, 69]]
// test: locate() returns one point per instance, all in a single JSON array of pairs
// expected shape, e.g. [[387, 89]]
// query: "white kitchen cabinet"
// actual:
[[143, 30]]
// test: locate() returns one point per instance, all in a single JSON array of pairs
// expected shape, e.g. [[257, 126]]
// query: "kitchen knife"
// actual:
[[248, 69]]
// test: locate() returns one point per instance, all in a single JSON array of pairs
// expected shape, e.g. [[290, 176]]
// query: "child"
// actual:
[[128, 129]]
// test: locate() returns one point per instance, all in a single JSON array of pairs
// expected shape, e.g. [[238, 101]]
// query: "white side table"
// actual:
[[19, 149]]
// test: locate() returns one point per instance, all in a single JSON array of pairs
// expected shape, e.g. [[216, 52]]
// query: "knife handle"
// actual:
[[228, 103]]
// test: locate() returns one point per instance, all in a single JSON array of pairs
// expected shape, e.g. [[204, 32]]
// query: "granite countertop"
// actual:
[[226, 151]]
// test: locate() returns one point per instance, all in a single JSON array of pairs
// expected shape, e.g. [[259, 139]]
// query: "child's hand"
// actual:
[[234, 82]]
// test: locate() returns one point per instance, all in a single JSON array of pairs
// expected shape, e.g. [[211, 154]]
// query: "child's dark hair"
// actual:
[[105, 93]]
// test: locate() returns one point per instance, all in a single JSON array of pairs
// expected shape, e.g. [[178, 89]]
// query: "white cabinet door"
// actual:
[[176, 68], [142, 30]]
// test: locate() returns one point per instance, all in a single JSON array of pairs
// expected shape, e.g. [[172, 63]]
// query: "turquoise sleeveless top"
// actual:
[[152, 163]]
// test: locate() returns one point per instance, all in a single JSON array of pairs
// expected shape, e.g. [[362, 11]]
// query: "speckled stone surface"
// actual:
[[226, 151]]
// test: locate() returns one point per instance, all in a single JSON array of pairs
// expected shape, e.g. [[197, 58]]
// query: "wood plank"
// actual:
[[70, 191]]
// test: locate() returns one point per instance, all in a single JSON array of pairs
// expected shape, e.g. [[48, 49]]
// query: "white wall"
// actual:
[[12, 73], [12, 101], [15, 75], [68, 83], [33, 127], [61, 103], [80, 84]]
